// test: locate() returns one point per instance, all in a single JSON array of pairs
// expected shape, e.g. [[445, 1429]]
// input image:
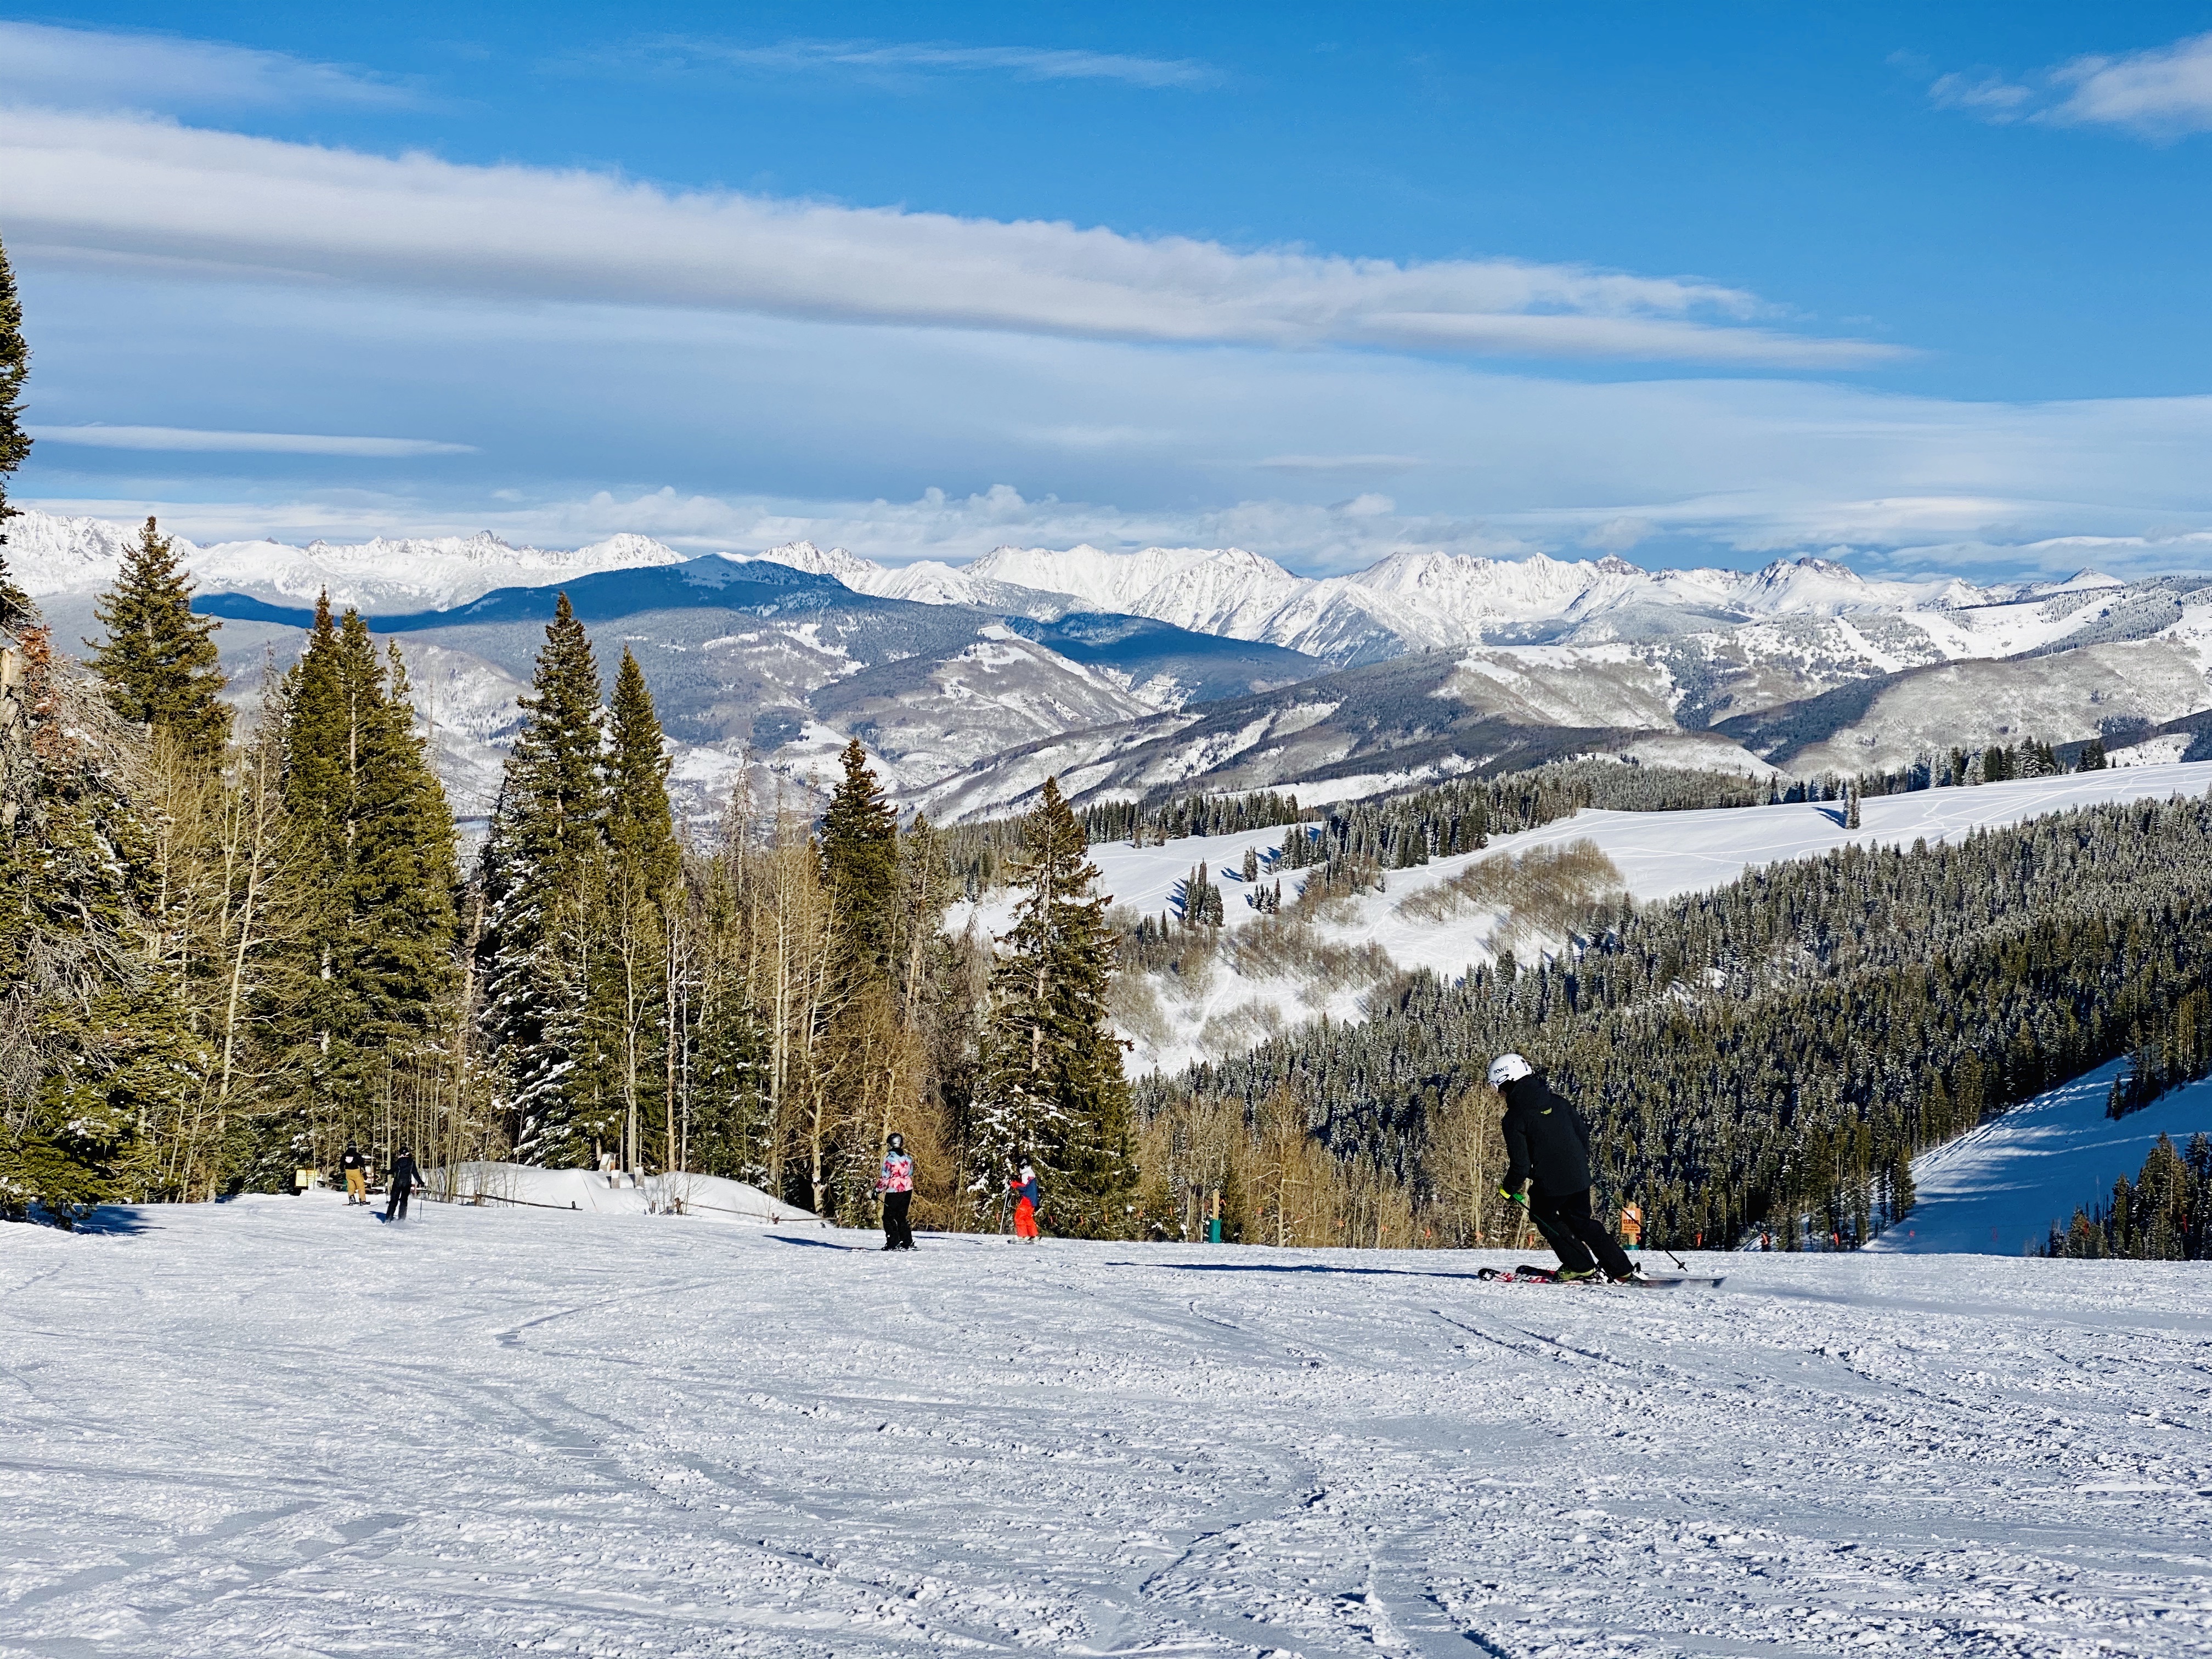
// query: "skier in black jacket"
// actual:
[[403, 1180], [1548, 1150]]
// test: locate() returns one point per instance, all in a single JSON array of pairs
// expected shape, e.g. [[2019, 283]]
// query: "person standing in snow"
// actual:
[[357, 1175], [895, 1183], [1548, 1173], [1028, 1200], [404, 1180]]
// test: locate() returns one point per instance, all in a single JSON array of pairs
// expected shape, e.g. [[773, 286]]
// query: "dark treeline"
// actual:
[[2164, 1215], [1395, 832], [1781, 1047], [2165, 1051], [1191, 814]]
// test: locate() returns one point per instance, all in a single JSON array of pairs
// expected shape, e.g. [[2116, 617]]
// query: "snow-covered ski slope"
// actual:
[[277, 1427], [708, 1198], [1660, 854], [1998, 1190]]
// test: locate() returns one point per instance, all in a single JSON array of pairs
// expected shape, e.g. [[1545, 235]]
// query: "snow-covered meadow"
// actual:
[[278, 1427]]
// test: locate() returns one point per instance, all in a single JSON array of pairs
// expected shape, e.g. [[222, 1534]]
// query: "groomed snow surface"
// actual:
[[1999, 1190], [280, 1427]]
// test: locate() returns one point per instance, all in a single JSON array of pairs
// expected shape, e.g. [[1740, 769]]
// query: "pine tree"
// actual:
[[641, 828], [633, 922], [15, 608], [539, 866], [371, 850], [94, 1042], [158, 661], [1053, 1090], [860, 860]]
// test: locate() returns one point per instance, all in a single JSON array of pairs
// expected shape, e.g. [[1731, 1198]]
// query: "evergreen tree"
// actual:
[[2093, 757], [1052, 1090], [641, 828], [860, 860], [539, 866], [15, 608], [372, 848], [94, 1043], [158, 661]]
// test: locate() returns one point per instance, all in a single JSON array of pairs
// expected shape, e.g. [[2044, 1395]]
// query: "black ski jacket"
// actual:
[[404, 1176], [353, 1161], [1545, 1137]]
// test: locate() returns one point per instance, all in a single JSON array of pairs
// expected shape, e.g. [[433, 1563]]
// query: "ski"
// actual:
[[1525, 1274]]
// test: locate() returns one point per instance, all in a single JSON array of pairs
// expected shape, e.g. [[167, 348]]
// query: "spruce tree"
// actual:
[[158, 661], [539, 866], [1053, 1091], [371, 970], [95, 1047], [860, 860], [15, 608], [641, 828]]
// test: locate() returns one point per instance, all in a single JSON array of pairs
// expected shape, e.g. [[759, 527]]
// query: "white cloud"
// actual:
[[2164, 92], [176, 438], [1318, 464], [913, 57], [1930, 534], [105, 187], [1990, 96], [89, 68], [1618, 535]]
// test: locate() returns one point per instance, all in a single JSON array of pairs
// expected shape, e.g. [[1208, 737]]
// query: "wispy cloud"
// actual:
[[2162, 92], [1327, 463], [881, 60], [117, 187], [188, 439], [102, 69]]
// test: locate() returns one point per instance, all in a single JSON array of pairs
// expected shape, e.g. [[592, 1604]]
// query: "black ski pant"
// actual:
[[897, 1234], [1576, 1235], [395, 1207]]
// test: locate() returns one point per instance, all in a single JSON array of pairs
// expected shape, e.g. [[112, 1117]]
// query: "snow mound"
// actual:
[[1999, 1190], [709, 1198]]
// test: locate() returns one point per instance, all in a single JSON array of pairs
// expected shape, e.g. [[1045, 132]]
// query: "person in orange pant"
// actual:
[[1029, 1198]]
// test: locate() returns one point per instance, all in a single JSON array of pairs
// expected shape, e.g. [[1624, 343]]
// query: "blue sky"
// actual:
[[1920, 287]]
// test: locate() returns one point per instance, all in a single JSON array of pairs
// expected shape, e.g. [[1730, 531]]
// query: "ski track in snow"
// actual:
[[277, 1427]]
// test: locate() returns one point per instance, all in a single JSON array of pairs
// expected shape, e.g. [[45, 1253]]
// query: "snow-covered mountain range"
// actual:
[[52, 556], [1190, 668], [1406, 602]]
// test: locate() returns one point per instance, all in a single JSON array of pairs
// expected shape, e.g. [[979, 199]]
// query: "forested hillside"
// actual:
[[1781, 1046]]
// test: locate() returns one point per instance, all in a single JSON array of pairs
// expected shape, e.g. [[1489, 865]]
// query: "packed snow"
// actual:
[[279, 1426], [710, 1198], [1999, 1190]]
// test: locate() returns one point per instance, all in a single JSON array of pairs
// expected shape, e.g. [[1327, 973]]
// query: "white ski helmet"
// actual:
[[1507, 1068]]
